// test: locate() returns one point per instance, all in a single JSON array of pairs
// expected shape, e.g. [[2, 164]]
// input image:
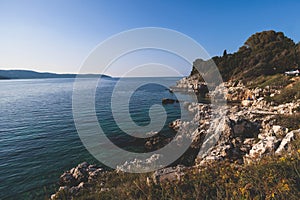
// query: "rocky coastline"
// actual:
[[250, 132]]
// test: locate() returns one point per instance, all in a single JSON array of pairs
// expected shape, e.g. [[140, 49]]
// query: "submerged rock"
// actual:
[[169, 101]]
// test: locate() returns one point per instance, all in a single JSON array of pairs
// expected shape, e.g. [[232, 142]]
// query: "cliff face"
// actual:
[[264, 53]]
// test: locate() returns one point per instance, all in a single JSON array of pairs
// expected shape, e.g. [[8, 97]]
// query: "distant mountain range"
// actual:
[[27, 74]]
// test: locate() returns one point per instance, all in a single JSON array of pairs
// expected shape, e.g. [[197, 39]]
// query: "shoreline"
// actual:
[[249, 134]]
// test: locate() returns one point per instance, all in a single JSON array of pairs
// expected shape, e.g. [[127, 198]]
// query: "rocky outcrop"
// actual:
[[236, 139], [271, 145], [187, 84], [250, 132], [238, 92], [76, 180], [193, 84], [264, 146]]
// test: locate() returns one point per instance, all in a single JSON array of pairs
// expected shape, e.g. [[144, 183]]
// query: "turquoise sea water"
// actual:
[[38, 138]]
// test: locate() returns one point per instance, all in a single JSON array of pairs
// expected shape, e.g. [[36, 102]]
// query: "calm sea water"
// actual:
[[38, 138]]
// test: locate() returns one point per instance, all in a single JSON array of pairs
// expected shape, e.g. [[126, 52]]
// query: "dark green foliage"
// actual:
[[264, 53]]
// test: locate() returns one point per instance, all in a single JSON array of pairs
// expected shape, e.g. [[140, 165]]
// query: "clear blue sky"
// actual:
[[57, 35]]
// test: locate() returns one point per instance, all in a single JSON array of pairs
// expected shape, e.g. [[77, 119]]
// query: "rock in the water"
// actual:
[[168, 101]]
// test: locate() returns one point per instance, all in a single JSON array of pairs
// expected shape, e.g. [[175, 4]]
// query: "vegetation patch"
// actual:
[[288, 94], [274, 81], [291, 122]]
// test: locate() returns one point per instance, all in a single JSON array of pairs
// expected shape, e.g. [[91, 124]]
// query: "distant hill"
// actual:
[[264, 53], [1, 77], [27, 74]]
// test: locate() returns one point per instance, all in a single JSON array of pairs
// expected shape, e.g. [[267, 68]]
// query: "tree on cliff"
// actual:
[[264, 53]]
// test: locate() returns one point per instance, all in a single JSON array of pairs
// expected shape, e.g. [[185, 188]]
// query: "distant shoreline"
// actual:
[[20, 79], [28, 74]]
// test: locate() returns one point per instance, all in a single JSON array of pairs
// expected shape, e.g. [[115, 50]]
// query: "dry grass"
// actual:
[[271, 178], [275, 81]]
